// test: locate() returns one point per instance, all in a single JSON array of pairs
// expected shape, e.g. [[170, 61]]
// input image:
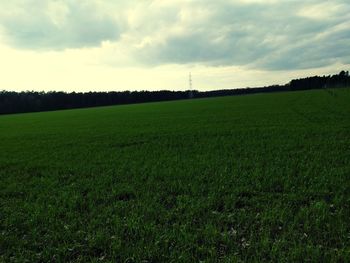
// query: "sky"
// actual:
[[104, 45]]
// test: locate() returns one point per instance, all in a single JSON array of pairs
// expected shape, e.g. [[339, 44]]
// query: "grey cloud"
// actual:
[[80, 24], [312, 52], [269, 36], [261, 36]]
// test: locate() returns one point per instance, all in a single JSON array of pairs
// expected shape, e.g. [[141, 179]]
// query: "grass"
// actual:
[[263, 177]]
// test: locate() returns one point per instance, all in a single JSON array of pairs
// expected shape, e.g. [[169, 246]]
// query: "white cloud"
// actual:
[[323, 10]]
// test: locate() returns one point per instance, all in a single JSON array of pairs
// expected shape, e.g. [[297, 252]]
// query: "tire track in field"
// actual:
[[336, 99], [324, 110], [295, 109]]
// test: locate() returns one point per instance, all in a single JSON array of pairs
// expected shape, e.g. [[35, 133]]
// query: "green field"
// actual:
[[263, 177]]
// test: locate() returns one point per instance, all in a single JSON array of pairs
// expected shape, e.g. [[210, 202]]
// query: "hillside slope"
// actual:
[[251, 178]]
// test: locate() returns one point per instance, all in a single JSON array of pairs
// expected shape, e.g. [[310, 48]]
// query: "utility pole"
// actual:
[[190, 92]]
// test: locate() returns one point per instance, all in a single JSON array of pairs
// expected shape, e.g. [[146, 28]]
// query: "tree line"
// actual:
[[32, 101]]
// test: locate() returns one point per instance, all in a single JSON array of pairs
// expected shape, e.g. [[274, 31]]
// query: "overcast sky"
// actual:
[[105, 45]]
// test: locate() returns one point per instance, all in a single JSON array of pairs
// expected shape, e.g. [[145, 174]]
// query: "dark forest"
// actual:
[[32, 101]]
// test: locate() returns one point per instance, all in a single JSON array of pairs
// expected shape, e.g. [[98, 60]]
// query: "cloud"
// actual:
[[277, 35], [56, 24], [256, 34]]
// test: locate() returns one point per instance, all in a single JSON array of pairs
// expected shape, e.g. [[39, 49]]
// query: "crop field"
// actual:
[[264, 177]]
